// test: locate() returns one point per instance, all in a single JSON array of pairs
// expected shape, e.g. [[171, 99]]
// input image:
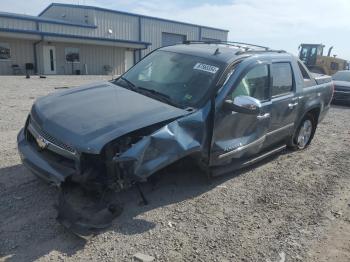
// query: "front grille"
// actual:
[[50, 138], [49, 155]]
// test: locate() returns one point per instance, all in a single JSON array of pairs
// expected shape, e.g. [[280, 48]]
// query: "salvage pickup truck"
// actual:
[[225, 105]]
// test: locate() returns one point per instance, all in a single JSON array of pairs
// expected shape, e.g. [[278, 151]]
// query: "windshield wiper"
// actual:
[[151, 92], [129, 83], [156, 94]]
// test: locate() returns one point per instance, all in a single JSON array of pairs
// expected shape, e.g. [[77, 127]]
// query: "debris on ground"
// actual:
[[282, 257], [143, 257], [171, 224], [336, 214]]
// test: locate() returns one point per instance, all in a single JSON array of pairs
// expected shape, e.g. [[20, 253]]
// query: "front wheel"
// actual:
[[303, 135]]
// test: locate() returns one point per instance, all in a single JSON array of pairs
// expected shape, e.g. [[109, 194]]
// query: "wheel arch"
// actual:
[[314, 111]]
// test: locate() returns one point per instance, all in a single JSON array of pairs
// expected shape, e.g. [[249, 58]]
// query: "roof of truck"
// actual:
[[220, 52]]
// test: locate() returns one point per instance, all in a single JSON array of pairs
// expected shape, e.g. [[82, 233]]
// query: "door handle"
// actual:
[[291, 106], [265, 116]]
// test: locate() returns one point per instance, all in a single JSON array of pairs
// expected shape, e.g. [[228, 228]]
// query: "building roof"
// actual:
[[125, 13], [43, 20]]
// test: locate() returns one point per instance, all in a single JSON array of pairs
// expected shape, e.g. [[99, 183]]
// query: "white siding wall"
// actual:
[[94, 56], [123, 26], [21, 53], [78, 15], [11, 23], [40, 58], [67, 30], [214, 34]]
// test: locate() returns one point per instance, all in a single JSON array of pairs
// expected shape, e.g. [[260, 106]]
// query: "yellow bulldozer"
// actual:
[[313, 58]]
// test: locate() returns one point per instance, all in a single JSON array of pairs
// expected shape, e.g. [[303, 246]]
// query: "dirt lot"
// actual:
[[293, 207]]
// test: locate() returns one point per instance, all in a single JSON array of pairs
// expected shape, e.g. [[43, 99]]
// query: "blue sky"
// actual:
[[280, 24]]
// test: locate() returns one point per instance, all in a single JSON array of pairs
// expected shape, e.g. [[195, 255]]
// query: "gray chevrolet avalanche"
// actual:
[[225, 105]]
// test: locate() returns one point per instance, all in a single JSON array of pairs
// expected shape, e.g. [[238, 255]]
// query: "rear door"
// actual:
[[237, 135], [284, 102]]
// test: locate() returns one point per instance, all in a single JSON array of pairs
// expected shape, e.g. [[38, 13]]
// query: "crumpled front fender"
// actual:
[[185, 136]]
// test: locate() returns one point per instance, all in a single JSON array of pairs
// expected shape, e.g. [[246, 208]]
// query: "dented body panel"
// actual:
[[183, 137], [87, 118]]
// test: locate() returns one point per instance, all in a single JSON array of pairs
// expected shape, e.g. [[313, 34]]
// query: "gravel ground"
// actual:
[[292, 207]]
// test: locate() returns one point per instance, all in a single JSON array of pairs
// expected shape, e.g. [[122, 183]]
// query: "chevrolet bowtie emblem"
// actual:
[[42, 142]]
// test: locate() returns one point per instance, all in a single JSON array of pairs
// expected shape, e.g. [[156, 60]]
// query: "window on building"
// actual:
[[72, 54], [5, 52], [255, 84], [282, 79], [172, 39]]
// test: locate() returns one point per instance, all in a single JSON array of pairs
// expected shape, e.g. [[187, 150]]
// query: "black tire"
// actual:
[[300, 141]]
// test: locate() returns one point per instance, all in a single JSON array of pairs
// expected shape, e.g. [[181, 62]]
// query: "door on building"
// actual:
[[129, 59], [49, 60], [172, 39]]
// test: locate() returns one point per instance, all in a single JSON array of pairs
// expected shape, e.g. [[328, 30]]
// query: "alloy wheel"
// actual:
[[304, 134]]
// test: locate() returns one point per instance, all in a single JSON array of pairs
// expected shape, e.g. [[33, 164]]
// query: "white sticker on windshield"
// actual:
[[207, 68]]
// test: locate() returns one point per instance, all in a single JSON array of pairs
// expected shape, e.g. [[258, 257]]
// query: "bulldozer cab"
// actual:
[[309, 52], [313, 58]]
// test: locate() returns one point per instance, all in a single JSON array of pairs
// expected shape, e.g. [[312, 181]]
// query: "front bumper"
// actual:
[[341, 96], [83, 215], [51, 172]]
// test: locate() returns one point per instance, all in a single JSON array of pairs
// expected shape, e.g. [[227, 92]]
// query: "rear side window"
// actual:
[[282, 82]]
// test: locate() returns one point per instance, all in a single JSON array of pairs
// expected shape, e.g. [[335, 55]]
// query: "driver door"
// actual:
[[239, 135]]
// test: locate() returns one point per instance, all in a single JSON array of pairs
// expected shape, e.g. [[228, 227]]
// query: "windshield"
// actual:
[[183, 79], [341, 76]]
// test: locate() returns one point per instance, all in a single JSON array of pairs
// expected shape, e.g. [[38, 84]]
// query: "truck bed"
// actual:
[[322, 79]]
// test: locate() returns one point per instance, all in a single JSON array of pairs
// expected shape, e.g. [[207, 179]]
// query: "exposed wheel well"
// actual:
[[315, 112]]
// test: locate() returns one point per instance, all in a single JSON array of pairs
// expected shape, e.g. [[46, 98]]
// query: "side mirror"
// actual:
[[244, 104]]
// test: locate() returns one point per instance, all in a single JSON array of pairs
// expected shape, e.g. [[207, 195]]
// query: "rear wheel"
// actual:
[[303, 135]]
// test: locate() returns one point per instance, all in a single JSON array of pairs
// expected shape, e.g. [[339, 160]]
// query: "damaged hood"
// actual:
[[89, 117]]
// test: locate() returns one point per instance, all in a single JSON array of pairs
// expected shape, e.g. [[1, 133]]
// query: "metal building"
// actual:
[[76, 39]]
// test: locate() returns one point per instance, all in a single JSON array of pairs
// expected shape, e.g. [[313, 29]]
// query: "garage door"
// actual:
[[172, 39]]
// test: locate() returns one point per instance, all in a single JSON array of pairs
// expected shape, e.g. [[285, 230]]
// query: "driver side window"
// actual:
[[256, 83]]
